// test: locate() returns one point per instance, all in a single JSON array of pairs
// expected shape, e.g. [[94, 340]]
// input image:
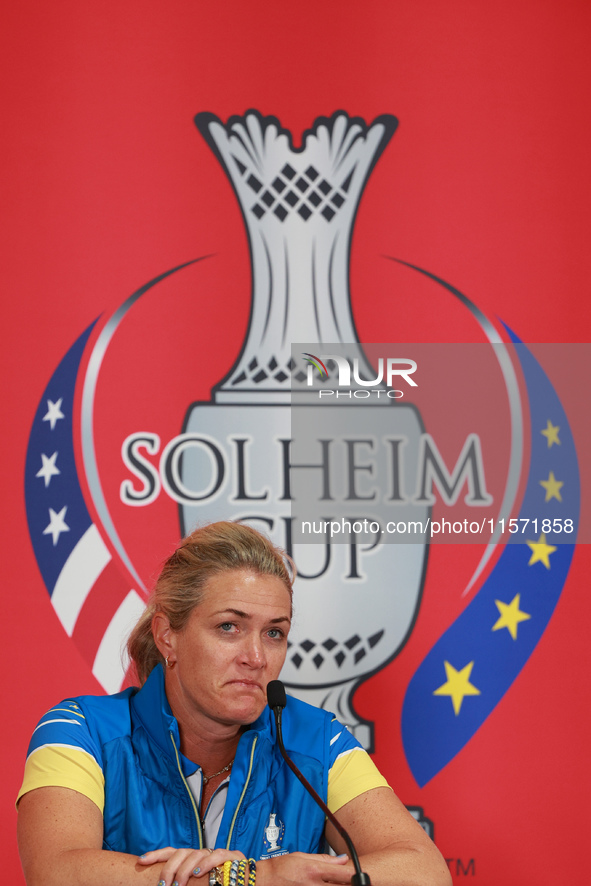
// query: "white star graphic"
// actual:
[[54, 412], [57, 524], [49, 469]]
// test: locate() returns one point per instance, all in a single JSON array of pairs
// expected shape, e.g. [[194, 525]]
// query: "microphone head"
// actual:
[[276, 697]]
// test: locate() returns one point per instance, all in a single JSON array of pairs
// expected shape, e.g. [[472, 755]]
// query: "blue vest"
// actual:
[[148, 803]]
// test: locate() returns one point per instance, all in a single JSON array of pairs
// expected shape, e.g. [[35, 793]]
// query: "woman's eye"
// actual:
[[227, 626], [275, 634]]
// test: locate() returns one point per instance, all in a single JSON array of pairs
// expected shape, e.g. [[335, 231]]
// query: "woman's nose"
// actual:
[[254, 652]]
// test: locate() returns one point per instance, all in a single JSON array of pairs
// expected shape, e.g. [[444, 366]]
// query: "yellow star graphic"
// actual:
[[510, 616], [457, 685], [540, 551], [552, 487], [551, 433]]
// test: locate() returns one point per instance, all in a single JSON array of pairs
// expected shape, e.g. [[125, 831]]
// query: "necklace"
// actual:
[[207, 778]]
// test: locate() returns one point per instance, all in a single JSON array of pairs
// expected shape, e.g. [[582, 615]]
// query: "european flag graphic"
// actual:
[[474, 663]]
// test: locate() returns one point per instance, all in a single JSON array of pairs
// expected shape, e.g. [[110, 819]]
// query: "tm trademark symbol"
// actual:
[[461, 869]]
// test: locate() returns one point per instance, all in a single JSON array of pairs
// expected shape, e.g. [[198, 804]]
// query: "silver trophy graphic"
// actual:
[[355, 603]]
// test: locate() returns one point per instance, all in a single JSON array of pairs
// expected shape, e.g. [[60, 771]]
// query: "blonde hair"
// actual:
[[209, 550]]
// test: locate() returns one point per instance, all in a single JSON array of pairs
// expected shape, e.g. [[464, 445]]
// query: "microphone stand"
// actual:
[[277, 701]]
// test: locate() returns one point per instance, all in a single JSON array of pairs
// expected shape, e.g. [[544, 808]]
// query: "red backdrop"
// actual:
[[485, 184]]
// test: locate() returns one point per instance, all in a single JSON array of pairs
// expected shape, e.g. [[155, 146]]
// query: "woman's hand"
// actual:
[[302, 869], [181, 864]]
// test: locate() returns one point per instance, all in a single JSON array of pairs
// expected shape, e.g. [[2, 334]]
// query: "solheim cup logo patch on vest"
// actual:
[[274, 833]]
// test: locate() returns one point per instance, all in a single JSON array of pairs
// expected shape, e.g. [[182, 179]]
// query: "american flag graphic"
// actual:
[[88, 587]]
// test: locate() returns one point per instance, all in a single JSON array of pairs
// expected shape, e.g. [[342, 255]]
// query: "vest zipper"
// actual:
[[191, 798], [243, 791]]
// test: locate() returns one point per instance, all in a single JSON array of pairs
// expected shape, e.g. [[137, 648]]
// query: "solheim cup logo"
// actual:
[[242, 455]]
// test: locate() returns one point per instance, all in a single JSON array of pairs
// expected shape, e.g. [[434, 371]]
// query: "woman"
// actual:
[[164, 785]]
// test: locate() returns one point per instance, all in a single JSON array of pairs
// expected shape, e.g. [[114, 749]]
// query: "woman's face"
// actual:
[[234, 643]]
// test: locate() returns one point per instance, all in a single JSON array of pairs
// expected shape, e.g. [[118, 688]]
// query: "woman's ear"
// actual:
[[164, 637]]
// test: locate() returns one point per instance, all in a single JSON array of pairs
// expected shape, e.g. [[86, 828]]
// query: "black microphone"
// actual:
[[277, 700]]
